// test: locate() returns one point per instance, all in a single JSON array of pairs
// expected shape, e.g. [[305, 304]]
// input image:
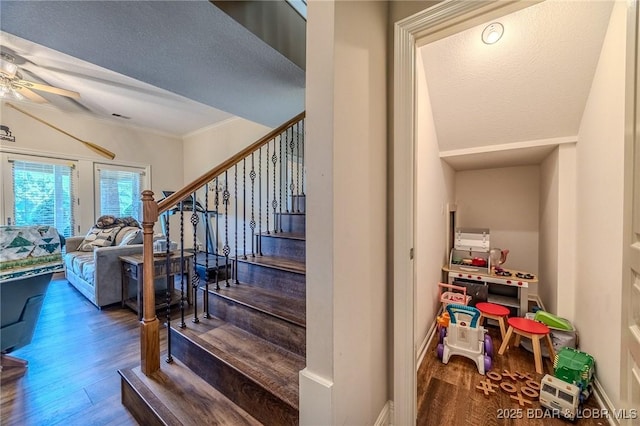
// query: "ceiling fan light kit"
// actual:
[[12, 86]]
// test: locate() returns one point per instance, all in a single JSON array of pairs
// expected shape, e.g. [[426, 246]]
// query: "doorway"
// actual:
[[440, 21]]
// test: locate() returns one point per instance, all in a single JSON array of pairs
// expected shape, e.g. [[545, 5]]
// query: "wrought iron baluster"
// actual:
[[195, 278], [226, 249], [274, 203], [182, 271], [205, 294], [292, 145], [267, 189], [235, 195], [252, 225], [303, 148], [259, 237], [167, 262], [244, 208], [280, 184], [217, 204], [298, 167], [286, 168]]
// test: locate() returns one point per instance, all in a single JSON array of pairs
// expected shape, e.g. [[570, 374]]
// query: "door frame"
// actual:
[[439, 21]]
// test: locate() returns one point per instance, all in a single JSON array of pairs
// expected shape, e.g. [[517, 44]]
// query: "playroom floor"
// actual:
[[447, 394]]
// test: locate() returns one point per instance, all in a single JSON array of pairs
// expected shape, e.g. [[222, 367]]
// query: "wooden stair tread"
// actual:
[[272, 302], [273, 367], [293, 213], [181, 397], [276, 262], [283, 234]]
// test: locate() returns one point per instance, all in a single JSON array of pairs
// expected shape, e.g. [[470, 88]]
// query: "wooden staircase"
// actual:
[[241, 365]]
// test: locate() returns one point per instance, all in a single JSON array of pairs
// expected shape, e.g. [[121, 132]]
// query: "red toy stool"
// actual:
[[495, 312], [533, 330]]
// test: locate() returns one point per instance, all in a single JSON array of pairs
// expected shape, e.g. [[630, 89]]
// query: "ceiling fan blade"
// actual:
[[45, 88], [29, 94]]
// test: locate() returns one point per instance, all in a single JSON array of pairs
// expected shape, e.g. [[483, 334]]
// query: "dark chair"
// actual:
[[30, 256]]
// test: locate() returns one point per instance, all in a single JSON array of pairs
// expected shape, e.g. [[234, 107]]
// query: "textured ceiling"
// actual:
[[532, 84], [187, 48]]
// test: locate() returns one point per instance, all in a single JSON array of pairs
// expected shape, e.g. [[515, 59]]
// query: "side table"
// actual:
[[133, 273]]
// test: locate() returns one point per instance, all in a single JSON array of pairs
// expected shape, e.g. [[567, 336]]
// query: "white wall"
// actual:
[[600, 154], [557, 242], [548, 237], [345, 381], [208, 147], [204, 150], [505, 200], [132, 146], [435, 182]]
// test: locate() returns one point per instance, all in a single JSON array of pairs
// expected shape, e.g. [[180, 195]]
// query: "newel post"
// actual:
[[149, 326]]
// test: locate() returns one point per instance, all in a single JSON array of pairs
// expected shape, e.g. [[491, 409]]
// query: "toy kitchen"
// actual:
[[474, 264]]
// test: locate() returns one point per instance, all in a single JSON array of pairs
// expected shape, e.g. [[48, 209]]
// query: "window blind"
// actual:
[[44, 194], [120, 191]]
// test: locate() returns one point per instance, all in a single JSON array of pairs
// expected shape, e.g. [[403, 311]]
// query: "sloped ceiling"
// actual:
[[191, 50], [531, 85]]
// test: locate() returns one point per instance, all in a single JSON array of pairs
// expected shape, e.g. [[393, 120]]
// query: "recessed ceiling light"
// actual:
[[492, 33]]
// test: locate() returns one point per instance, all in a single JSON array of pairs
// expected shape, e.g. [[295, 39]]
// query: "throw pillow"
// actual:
[[128, 221], [129, 235], [98, 237], [106, 221]]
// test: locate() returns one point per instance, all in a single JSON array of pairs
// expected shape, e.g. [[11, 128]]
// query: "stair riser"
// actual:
[[138, 406], [276, 330], [244, 392], [284, 247], [299, 203], [288, 282], [292, 222]]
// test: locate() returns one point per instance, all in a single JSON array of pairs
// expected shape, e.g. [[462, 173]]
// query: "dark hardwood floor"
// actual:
[[447, 394], [72, 376], [77, 350]]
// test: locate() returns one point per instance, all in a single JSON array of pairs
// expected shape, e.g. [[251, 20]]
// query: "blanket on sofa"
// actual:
[[29, 250]]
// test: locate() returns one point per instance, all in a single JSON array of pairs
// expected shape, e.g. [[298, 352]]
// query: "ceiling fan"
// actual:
[[12, 86]]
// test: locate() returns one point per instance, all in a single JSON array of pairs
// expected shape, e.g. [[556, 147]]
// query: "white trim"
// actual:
[[318, 394], [426, 342], [509, 146], [384, 418], [604, 402]]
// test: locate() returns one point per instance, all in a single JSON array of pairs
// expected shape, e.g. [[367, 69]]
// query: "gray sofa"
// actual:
[[97, 274]]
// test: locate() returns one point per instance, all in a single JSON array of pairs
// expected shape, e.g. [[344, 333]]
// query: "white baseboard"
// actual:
[[425, 344], [604, 402], [316, 397], [384, 419]]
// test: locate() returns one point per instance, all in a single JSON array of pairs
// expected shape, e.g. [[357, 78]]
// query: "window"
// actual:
[[119, 190], [41, 191]]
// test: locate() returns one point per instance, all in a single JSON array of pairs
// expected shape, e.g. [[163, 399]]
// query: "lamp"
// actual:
[[7, 67], [492, 33]]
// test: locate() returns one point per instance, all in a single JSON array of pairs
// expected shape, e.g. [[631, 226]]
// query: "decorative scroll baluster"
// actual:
[[217, 204], [182, 271], [286, 168], [226, 249], [259, 241], [274, 203], [235, 194], [167, 263], [292, 145], [280, 184], [244, 209], [303, 148], [195, 278], [205, 295], [252, 225], [266, 186], [298, 167]]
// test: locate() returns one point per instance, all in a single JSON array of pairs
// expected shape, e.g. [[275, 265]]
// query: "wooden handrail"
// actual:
[[175, 198]]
